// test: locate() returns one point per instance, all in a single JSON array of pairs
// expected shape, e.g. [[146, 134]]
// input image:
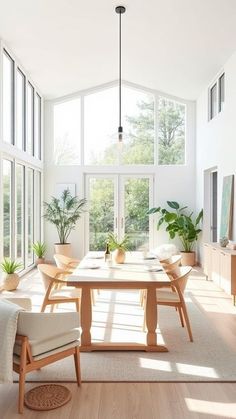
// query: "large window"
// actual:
[[20, 109], [20, 214], [115, 206], [30, 119], [8, 98], [37, 139], [171, 132], [30, 212], [101, 124], [67, 132], [7, 207]]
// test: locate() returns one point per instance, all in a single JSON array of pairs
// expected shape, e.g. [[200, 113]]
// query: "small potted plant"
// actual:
[[118, 247], [11, 278], [183, 225], [64, 213], [39, 250]]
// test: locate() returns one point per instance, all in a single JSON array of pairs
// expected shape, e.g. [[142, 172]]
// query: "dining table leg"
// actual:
[[86, 317], [151, 317]]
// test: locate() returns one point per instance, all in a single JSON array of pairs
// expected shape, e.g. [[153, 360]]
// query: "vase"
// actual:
[[11, 282], [39, 261], [119, 256]]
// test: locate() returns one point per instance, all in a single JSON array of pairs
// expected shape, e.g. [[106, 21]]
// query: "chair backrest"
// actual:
[[50, 273], [65, 262], [171, 263], [179, 277]]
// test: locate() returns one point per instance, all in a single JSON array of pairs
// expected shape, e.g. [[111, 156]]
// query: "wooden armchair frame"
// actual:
[[27, 364]]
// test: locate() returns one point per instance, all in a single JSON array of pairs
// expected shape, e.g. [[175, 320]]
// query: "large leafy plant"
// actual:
[[64, 213], [179, 223]]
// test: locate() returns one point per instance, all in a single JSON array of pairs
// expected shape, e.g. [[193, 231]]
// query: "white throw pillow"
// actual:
[[165, 251]]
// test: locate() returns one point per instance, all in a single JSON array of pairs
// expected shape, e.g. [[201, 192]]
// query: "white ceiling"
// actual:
[[175, 46]]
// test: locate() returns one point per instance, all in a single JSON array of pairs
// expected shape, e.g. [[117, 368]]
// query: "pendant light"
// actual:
[[120, 133]]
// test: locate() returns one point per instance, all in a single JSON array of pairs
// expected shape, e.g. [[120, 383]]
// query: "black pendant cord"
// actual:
[[119, 69]]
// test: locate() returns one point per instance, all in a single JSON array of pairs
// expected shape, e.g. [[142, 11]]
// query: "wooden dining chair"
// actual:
[[65, 262], [168, 265], [178, 280], [56, 292]]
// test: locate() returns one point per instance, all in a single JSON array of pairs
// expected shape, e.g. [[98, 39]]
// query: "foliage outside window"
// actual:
[[171, 132]]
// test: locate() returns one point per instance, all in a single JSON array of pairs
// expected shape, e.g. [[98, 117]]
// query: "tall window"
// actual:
[[67, 132], [213, 101], [30, 210], [101, 124], [8, 98], [30, 119], [171, 132], [221, 92], [37, 209], [20, 109], [37, 142], [7, 207], [20, 213]]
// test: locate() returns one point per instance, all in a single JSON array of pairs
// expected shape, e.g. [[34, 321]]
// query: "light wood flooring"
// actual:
[[149, 400]]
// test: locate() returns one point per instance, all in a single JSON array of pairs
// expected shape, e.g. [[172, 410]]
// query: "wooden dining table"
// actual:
[[136, 273]]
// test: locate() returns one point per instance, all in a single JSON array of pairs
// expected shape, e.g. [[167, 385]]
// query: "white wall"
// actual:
[[171, 182], [216, 139]]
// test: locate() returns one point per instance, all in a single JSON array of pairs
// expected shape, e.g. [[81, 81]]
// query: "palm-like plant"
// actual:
[[39, 249], [10, 266], [64, 213], [114, 243]]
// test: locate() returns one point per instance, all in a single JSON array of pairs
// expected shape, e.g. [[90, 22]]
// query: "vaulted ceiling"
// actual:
[[175, 46]]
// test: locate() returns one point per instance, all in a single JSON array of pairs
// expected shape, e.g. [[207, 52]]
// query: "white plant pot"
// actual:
[[63, 249], [11, 282]]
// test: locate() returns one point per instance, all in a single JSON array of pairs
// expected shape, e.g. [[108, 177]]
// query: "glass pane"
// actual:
[[171, 132], [8, 95], [101, 212], [7, 207], [100, 122], [67, 132], [20, 236], [136, 205], [138, 123], [30, 118], [213, 101], [37, 212], [20, 109], [37, 140], [221, 92], [30, 204]]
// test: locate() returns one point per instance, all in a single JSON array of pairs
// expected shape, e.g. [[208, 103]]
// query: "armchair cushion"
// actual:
[[41, 326], [43, 346]]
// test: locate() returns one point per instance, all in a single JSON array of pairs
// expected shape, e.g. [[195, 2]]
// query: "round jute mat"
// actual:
[[47, 397]]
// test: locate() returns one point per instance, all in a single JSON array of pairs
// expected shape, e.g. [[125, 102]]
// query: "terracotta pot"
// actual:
[[119, 256], [63, 249], [188, 258], [39, 261], [11, 282]]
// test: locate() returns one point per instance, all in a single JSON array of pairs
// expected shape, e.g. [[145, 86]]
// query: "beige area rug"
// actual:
[[118, 316]]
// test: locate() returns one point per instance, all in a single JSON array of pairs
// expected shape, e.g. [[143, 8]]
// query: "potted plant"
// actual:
[[39, 250], [64, 214], [118, 247], [11, 278], [182, 225]]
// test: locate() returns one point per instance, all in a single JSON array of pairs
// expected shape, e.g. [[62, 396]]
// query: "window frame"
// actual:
[[18, 70], [217, 85], [5, 53]]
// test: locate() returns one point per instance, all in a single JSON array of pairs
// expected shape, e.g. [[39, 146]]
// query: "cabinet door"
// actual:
[[215, 271], [225, 272], [207, 254]]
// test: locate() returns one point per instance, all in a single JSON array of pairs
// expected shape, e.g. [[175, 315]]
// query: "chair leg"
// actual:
[[77, 365], [44, 305], [21, 392], [52, 308], [181, 316], [77, 303], [187, 322], [93, 297]]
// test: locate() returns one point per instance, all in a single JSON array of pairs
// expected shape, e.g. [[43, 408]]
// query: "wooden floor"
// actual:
[[148, 400], [133, 401]]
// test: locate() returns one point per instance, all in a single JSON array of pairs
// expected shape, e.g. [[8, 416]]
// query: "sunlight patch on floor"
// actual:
[[218, 409]]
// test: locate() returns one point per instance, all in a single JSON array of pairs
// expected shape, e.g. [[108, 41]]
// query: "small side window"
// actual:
[[221, 92], [213, 101]]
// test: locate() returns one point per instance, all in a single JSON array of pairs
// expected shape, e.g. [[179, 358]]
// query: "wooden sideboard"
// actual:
[[220, 266]]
